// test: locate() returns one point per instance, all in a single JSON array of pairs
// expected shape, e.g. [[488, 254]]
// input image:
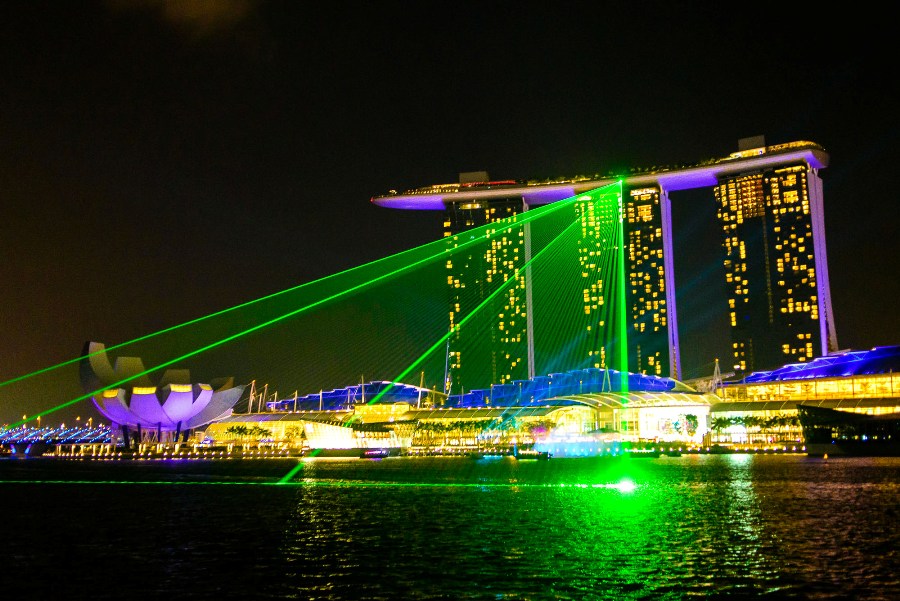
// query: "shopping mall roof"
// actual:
[[640, 400], [879, 360], [556, 389]]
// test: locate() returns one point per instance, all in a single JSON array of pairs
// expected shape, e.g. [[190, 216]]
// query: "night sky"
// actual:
[[160, 161]]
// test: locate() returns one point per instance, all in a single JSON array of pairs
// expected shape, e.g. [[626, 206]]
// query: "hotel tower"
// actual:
[[770, 210], [773, 236]]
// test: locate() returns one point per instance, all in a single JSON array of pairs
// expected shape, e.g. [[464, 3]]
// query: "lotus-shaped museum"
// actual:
[[153, 410]]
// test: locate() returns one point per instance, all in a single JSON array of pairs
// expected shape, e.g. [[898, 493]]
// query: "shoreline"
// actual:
[[238, 454]]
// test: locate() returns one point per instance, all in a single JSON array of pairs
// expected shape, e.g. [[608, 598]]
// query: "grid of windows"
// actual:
[[478, 271], [594, 242], [770, 269], [648, 338]]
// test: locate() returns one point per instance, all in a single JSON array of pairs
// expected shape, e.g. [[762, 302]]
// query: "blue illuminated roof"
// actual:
[[55, 435], [343, 399], [518, 393], [538, 390], [879, 360]]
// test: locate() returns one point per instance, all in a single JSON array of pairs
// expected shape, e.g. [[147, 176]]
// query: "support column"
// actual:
[[529, 305], [669, 279], [827, 333]]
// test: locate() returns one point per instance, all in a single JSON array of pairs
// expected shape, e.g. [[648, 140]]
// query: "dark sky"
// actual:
[[163, 160]]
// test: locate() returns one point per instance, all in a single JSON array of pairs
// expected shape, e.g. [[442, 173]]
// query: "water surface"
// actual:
[[696, 526]]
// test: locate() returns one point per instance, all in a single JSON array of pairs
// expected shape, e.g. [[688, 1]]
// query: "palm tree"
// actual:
[[718, 424], [294, 432], [752, 422], [238, 431], [260, 432]]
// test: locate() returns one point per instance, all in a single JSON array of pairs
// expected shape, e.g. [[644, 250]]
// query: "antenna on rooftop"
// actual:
[[717, 377], [421, 384], [252, 396]]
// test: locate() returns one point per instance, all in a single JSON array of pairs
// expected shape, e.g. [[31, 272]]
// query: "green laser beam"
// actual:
[[222, 312], [474, 238], [441, 244]]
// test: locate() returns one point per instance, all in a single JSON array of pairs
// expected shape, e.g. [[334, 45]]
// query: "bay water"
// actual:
[[735, 526]]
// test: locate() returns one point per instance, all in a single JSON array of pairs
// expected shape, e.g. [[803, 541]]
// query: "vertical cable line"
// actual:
[[557, 285], [611, 272], [610, 306], [593, 248]]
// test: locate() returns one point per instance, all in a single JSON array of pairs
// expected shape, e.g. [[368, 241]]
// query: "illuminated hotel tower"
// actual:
[[775, 269], [507, 352], [770, 210]]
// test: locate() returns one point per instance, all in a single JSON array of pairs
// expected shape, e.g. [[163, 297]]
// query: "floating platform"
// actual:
[[532, 454]]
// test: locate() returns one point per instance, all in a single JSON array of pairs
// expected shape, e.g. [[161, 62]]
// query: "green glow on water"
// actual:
[[625, 486], [296, 469]]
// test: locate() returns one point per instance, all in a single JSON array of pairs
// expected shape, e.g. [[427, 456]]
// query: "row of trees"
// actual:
[[428, 431], [766, 426], [478, 430], [776, 422], [253, 432]]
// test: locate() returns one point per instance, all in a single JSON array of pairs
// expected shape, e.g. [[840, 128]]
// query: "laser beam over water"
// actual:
[[389, 320]]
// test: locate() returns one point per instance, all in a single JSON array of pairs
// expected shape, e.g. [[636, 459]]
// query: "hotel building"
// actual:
[[775, 268], [770, 209], [476, 269]]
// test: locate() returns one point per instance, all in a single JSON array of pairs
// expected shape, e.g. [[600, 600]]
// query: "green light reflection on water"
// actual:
[[625, 486], [615, 538]]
